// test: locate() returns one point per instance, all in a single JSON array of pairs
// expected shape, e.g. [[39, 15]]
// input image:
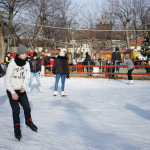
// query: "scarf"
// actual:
[[19, 61]]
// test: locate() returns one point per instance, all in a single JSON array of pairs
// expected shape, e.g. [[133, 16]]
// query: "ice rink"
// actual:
[[97, 114]]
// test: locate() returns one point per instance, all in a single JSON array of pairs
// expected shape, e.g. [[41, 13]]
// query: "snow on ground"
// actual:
[[98, 114]]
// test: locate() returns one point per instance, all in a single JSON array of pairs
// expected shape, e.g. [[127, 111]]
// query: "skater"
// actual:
[[130, 68], [16, 80], [35, 67], [61, 69]]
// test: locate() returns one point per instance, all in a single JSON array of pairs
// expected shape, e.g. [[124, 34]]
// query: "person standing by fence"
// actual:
[[7, 60], [116, 59], [51, 63], [130, 68], [43, 64]]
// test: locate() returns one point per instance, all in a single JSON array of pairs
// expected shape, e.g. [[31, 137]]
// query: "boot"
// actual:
[[17, 131], [29, 89], [55, 93], [40, 89], [30, 124]]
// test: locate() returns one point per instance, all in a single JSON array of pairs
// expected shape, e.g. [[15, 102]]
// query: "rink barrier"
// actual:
[[104, 66], [100, 66]]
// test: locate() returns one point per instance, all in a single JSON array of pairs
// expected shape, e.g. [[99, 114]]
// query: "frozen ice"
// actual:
[[97, 114]]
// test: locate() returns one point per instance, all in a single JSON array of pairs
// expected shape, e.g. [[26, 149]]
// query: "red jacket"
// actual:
[[51, 62]]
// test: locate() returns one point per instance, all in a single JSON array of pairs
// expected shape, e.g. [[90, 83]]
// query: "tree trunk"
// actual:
[[127, 34], [2, 43], [137, 40]]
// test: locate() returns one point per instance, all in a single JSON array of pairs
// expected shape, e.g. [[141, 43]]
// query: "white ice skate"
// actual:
[[63, 94], [55, 93], [40, 89], [131, 82], [29, 89]]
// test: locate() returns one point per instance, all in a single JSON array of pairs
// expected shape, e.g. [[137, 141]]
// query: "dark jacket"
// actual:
[[115, 56], [61, 65], [2, 72], [35, 65]]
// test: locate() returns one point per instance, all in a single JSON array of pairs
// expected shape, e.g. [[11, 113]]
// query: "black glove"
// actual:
[[67, 76]]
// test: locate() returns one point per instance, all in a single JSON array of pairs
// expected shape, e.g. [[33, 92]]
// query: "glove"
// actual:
[[67, 76]]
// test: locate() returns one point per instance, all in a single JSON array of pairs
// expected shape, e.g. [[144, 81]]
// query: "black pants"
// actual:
[[129, 74], [23, 100]]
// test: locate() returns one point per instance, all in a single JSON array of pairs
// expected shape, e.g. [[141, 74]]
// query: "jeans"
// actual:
[[63, 77], [37, 78], [23, 101]]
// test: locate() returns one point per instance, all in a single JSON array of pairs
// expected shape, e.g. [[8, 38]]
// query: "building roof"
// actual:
[[122, 51], [51, 51], [133, 43], [106, 52], [126, 50]]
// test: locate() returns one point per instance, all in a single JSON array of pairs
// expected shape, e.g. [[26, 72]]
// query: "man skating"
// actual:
[[16, 79]]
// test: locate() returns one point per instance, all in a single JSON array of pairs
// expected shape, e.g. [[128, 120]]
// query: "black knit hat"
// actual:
[[117, 49], [34, 54]]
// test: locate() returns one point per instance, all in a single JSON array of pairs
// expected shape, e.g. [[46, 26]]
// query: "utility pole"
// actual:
[[73, 43]]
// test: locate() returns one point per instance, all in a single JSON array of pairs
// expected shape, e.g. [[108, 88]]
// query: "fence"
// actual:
[[100, 66]]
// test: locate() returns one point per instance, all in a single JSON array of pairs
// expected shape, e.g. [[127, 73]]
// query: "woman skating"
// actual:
[[61, 69]]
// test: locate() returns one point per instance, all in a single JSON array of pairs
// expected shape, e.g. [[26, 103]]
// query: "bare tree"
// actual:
[[141, 10], [12, 8]]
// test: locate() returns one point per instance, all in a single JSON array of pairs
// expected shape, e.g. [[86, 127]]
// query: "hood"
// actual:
[[126, 56]]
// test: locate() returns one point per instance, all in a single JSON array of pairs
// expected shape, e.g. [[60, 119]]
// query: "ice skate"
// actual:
[[131, 82], [40, 89], [30, 124], [55, 93], [63, 94], [29, 89], [17, 131]]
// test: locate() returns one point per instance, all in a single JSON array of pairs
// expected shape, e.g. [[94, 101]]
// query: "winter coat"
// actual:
[[127, 62], [115, 56], [51, 62], [35, 65], [2, 72], [97, 64], [61, 66]]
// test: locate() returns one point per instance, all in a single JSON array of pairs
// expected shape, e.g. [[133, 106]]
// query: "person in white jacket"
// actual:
[[16, 80]]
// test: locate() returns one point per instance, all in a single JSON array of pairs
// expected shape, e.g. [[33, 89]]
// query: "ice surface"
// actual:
[[98, 114]]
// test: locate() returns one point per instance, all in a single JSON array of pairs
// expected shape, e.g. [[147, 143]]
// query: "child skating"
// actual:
[[16, 79], [130, 68]]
